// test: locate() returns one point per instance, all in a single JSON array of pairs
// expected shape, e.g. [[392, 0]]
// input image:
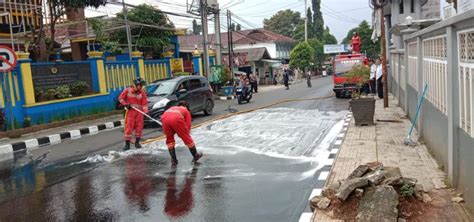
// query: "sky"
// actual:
[[339, 15]]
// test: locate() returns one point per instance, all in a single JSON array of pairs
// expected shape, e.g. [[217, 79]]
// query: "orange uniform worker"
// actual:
[[177, 120], [134, 97], [356, 42]]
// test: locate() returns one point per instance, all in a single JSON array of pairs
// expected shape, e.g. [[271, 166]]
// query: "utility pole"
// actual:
[[127, 29], [229, 43], [306, 20], [217, 27], [203, 9]]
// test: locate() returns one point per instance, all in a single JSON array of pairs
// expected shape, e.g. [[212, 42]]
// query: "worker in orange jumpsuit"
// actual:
[[356, 42], [133, 98], [177, 120]]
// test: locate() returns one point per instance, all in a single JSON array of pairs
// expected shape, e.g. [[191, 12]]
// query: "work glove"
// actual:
[[145, 109], [128, 106]]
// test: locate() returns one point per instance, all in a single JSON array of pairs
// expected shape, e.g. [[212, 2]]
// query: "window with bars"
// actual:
[[466, 80], [435, 71]]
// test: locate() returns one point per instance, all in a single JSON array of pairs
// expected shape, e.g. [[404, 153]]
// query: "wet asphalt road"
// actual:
[[257, 167]]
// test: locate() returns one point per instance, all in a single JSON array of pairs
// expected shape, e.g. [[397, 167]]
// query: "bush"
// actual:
[[407, 190], [79, 88], [2, 120], [62, 92], [226, 77]]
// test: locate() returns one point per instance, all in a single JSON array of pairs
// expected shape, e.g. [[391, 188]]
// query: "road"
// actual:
[[257, 166]]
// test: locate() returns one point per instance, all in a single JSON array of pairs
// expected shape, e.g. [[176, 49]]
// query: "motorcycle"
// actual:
[[243, 95]]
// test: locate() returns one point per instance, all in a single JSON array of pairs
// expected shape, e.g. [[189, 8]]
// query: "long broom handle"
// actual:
[[154, 120], [418, 109]]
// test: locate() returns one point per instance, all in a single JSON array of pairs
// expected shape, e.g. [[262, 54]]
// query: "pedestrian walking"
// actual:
[[372, 81], [254, 82], [177, 120], [134, 97], [275, 78], [378, 75], [286, 78], [308, 79]]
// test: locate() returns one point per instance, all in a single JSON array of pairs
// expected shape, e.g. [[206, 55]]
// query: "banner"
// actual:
[[334, 49], [177, 65]]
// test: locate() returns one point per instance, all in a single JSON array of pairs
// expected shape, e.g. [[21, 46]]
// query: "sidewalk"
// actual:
[[384, 143]]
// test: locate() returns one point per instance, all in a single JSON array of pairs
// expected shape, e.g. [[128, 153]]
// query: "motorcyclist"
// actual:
[[244, 83], [133, 98]]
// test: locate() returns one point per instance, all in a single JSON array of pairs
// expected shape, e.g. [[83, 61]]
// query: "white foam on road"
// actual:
[[299, 135]]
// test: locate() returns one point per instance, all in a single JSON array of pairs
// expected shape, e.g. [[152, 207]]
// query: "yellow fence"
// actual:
[[155, 71], [9, 91], [119, 75]]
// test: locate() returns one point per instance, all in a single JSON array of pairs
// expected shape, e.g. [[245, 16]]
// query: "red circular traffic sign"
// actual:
[[8, 59]]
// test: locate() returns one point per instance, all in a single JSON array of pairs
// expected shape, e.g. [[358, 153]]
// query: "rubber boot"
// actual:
[[127, 145], [137, 143], [174, 160], [196, 155]]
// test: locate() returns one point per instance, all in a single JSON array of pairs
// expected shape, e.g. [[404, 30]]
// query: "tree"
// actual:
[[284, 23], [309, 18], [319, 56], [301, 56], [368, 46], [150, 40], [196, 28], [328, 38], [232, 27], [238, 28], [318, 22]]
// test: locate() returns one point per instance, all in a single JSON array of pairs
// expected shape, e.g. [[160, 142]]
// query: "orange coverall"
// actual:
[[134, 119], [177, 120]]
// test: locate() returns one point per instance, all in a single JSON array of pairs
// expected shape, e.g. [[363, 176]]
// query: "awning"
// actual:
[[254, 54], [271, 60]]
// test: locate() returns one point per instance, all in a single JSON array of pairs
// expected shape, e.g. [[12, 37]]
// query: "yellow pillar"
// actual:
[[26, 77], [136, 55], [97, 57]]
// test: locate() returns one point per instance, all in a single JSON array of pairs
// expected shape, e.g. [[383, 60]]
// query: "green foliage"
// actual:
[[40, 120], [319, 55], [360, 74], [368, 46], [407, 190], [27, 122], [98, 27], [150, 40], [309, 17], [318, 22], [328, 38], [226, 76], [301, 56], [285, 22], [63, 92], [79, 88], [2, 120], [196, 28]]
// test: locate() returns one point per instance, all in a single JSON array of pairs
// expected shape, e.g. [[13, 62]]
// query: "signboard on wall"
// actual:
[[465, 5], [177, 65], [47, 76], [334, 49]]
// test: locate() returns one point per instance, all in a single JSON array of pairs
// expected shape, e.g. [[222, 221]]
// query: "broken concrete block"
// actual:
[[409, 181], [328, 192], [379, 204], [376, 177], [358, 172], [457, 199], [313, 203], [324, 203], [348, 186], [359, 192], [402, 220], [426, 198]]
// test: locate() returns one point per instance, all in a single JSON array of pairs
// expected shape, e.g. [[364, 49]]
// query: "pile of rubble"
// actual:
[[371, 192]]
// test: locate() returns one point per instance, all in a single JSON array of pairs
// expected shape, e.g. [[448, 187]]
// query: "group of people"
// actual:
[[176, 120], [287, 72], [375, 85], [249, 82]]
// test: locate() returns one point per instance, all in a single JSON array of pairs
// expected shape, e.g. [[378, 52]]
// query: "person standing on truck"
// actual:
[[177, 120], [378, 75], [356, 41], [133, 98]]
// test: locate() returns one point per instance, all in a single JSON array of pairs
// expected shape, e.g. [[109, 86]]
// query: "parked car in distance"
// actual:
[[165, 93]]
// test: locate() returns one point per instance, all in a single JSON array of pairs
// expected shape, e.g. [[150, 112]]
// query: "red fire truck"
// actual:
[[344, 86]]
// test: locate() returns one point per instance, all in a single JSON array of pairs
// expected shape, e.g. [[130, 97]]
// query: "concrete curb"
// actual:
[[323, 174], [32, 144]]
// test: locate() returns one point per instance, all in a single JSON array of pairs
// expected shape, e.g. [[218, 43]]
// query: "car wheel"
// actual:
[[338, 94], [239, 99], [209, 106]]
